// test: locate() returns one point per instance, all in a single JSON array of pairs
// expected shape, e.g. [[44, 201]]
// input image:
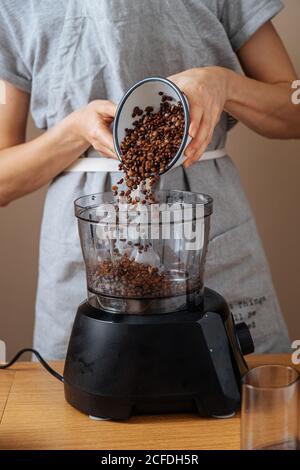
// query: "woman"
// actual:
[[70, 61]]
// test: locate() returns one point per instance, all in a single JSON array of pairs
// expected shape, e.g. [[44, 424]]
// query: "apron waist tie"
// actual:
[[95, 164]]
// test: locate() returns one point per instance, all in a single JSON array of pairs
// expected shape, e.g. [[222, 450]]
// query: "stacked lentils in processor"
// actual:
[[147, 150]]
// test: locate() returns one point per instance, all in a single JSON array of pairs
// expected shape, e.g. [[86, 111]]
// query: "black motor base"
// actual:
[[121, 365]]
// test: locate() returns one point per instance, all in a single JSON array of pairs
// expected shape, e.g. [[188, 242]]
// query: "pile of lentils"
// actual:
[[127, 278], [148, 148]]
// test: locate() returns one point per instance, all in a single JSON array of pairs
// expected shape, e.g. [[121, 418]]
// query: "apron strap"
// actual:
[[95, 164]]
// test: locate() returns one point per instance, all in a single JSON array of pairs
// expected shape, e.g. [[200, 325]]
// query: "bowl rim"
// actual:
[[182, 98]]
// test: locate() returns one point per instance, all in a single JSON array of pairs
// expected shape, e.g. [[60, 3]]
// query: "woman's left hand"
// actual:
[[206, 90]]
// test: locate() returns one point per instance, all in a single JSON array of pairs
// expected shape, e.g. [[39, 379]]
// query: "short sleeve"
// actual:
[[242, 18], [12, 66]]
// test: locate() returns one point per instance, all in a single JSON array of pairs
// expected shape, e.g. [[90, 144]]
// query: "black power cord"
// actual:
[[40, 359]]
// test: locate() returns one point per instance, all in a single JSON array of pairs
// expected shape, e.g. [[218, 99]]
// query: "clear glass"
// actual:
[[148, 259], [270, 409]]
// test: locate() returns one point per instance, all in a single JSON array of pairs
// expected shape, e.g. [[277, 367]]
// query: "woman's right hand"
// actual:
[[27, 166], [92, 124]]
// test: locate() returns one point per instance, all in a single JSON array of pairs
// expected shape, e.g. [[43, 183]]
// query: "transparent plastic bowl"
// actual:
[[147, 259]]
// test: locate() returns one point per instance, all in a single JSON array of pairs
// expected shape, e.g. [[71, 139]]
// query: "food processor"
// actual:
[[151, 338]]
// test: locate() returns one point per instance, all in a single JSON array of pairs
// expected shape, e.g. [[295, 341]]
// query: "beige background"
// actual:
[[270, 171]]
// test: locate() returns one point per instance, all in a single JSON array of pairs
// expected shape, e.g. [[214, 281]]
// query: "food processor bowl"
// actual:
[[145, 259]]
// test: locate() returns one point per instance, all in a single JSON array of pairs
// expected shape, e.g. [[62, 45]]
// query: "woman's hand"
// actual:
[[206, 90], [27, 166], [92, 123]]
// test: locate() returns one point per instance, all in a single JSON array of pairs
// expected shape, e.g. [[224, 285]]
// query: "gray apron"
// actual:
[[92, 64]]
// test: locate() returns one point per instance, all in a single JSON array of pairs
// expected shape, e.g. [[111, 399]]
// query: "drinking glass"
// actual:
[[270, 408]]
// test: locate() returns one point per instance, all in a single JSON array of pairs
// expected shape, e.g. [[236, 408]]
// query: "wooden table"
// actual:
[[34, 415]]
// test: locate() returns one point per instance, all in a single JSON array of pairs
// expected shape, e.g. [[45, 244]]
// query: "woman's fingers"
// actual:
[[106, 136], [199, 112], [194, 149], [93, 124], [206, 90], [105, 108], [105, 152], [204, 136], [198, 154], [215, 117], [101, 136], [202, 140], [196, 114]]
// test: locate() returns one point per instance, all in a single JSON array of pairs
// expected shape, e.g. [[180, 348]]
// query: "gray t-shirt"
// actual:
[[139, 38]]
